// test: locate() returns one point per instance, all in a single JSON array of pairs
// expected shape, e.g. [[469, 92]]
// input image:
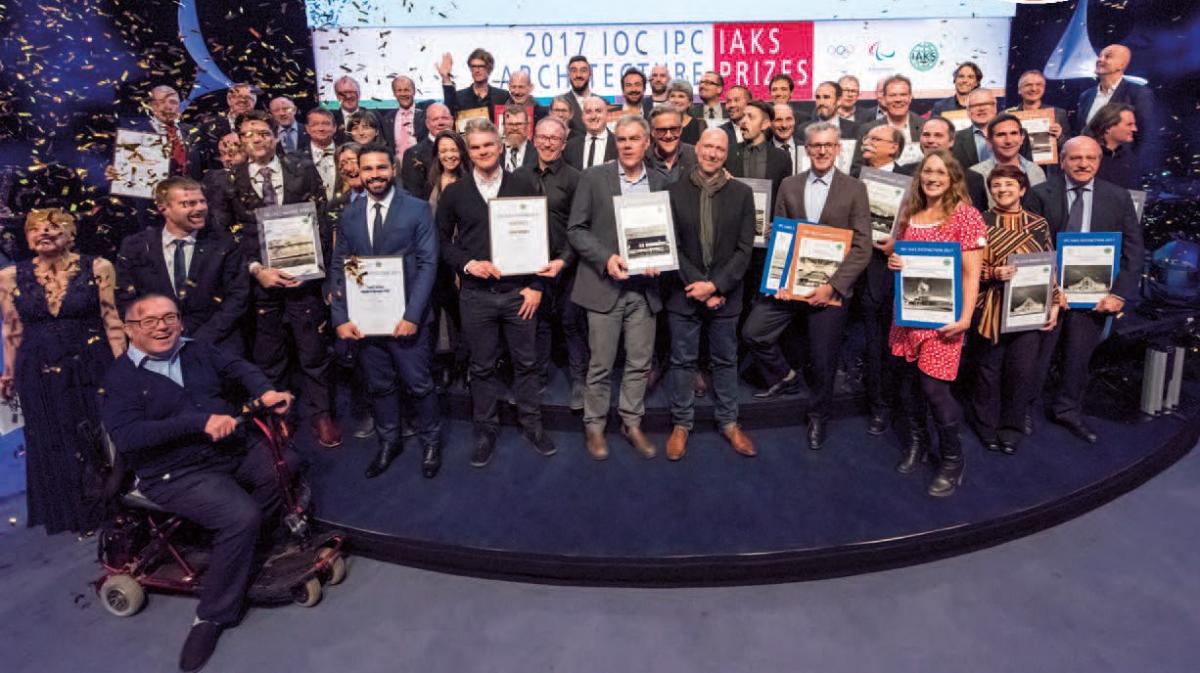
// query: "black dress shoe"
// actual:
[[1028, 427], [816, 432], [877, 425], [1007, 447], [485, 445], [541, 442], [199, 646], [784, 387], [1080, 430], [431, 460], [991, 444], [383, 459]]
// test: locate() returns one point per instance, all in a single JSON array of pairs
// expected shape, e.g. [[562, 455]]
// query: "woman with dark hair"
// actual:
[[451, 164], [679, 96], [937, 209], [61, 333], [346, 184], [1006, 380], [1113, 126], [364, 127]]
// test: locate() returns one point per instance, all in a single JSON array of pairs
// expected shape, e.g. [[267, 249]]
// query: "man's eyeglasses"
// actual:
[[477, 66], [150, 322], [541, 137], [666, 131], [828, 147], [710, 82], [251, 134]]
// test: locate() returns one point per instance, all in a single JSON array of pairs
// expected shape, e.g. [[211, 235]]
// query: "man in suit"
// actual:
[[596, 145], [291, 135], [414, 167], [167, 407], [287, 313], [239, 99], [481, 93], [785, 137], [825, 99], [735, 106], [320, 127], [202, 270], [1078, 201], [867, 112], [781, 88], [671, 157], [391, 222], [348, 93], [494, 306], [1005, 138], [896, 104], [1112, 87], [937, 133], [755, 157], [847, 103], [518, 150], [618, 304], [554, 177], [579, 74], [826, 195], [1031, 87], [404, 126], [970, 144], [709, 109], [714, 232], [967, 78]]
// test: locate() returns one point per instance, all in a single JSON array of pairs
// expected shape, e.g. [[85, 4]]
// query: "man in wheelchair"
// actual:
[[166, 406]]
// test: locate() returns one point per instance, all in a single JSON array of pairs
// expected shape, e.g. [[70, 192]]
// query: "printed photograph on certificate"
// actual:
[[290, 241]]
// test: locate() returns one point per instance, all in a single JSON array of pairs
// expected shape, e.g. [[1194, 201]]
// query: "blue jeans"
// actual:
[[685, 350]]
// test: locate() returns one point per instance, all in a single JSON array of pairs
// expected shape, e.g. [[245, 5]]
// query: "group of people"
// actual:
[[188, 302]]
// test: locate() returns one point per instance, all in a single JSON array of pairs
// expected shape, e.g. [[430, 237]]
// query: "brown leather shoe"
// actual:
[[328, 432], [597, 446], [677, 443], [641, 443], [739, 440]]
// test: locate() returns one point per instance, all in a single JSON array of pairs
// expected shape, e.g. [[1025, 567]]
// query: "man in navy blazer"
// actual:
[[166, 407], [1114, 88], [1078, 201], [392, 222]]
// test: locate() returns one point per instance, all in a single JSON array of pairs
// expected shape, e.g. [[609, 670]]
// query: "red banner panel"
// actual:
[[750, 54]]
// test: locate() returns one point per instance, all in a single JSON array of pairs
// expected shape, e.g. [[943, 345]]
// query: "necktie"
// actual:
[[268, 188], [711, 114], [404, 124], [178, 151], [512, 159], [1075, 215], [289, 139], [180, 264], [985, 151], [591, 152], [377, 230]]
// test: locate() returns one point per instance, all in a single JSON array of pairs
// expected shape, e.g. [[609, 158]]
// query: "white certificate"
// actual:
[[520, 234], [1029, 293], [762, 206], [289, 239], [845, 154], [645, 232], [141, 161], [885, 194], [911, 154], [1087, 272], [375, 293]]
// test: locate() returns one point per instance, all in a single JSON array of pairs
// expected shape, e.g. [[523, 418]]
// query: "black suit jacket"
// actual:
[[1112, 210], [217, 287], [976, 185], [1130, 93], [465, 99], [559, 183], [414, 169], [846, 128], [733, 241], [464, 230], [576, 150], [914, 130], [964, 150], [846, 206], [303, 142], [779, 166], [212, 129], [388, 121]]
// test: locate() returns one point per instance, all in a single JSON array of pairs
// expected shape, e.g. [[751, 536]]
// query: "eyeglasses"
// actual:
[[981, 106], [829, 147], [710, 82], [845, 90], [251, 134], [541, 137], [881, 140], [668, 131], [477, 66], [150, 322]]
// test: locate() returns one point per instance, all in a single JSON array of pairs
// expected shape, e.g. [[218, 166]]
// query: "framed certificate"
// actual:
[[1139, 203], [885, 193], [375, 293], [289, 239], [928, 288], [141, 160], [520, 234], [1087, 265], [817, 253], [645, 232], [1029, 294], [1037, 127], [762, 207], [464, 116], [779, 255], [959, 118]]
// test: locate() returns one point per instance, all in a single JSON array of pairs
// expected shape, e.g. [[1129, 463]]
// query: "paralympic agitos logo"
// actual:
[[876, 50]]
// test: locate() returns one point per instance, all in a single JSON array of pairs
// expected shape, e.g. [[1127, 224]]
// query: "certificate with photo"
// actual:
[[1029, 294], [645, 232], [520, 234], [845, 157], [289, 239], [779, 255], [375, 293], [1139, 203], [1037, 128], [885, 193], [959, 118], [1087, 265], [464, 116], [819, 251], [928, 287], [141, 161], [762, 206]]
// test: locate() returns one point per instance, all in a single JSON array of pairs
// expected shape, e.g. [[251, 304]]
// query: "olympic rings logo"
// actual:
[[841, 50]]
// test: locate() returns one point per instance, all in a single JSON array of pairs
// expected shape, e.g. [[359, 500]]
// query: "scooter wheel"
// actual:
[[337, 567], [308, 594], [122, 595]]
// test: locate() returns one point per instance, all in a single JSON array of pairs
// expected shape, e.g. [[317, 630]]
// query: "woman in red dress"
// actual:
[[937, 209]]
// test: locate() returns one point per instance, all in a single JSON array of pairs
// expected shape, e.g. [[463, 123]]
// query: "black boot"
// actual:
[[916, 449], [431, 459], [388, 452], [949, 474]]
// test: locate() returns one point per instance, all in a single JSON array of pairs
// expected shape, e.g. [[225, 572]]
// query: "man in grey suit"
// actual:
[[617, 303], [828, 196]]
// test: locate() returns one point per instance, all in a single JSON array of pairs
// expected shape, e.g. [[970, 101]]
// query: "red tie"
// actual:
[[178, 151]]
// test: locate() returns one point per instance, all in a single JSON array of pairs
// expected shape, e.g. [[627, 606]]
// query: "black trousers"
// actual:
[[1078, 332], [299, 318], [487, 316], [1006, 376], [767, 322], [874, 299], [391, 366], [558, 312], [233, 498]]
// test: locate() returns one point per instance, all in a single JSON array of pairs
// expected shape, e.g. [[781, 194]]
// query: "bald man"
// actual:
[[595, 145], [1114, 88], [414, 165], [404, 126]]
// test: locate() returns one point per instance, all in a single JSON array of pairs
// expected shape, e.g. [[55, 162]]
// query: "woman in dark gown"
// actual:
[[61, 333]]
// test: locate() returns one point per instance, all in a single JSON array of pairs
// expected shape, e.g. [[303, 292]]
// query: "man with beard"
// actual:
[[755, 157], [579, 74], [391, 222], [660, 77], [633, 92], [825, 109], [414, 167], [518, 151], [735, 105], [710, 109]]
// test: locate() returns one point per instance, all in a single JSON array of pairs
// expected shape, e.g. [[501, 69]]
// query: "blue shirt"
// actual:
[[639, 186], [816, 191], [169, 366], [981, 147], [1088, 190]]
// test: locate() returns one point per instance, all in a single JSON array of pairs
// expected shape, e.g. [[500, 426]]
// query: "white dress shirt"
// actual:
[[276, 177], [816, 192], [385, 203], [601, 145], [511, 164], [189, 248], [323, 159], [488, 188], [1102, 99]]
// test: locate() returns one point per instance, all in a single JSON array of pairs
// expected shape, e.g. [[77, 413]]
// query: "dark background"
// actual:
[[68, 67]]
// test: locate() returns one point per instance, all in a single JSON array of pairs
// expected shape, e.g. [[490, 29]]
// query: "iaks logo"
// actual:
[[877, 51]]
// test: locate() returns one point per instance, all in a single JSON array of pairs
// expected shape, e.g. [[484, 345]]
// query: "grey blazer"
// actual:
[[845, 207], [592, 230]]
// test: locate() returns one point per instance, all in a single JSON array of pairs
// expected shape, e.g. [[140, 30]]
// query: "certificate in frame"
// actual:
[[289, 239], [1029, 294], [375, 299], [762, 208], [141, 160], [885, 194], [646, 232], [1087, 265], [818, 252], [779, 255], [929, 286], [520, 236]]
